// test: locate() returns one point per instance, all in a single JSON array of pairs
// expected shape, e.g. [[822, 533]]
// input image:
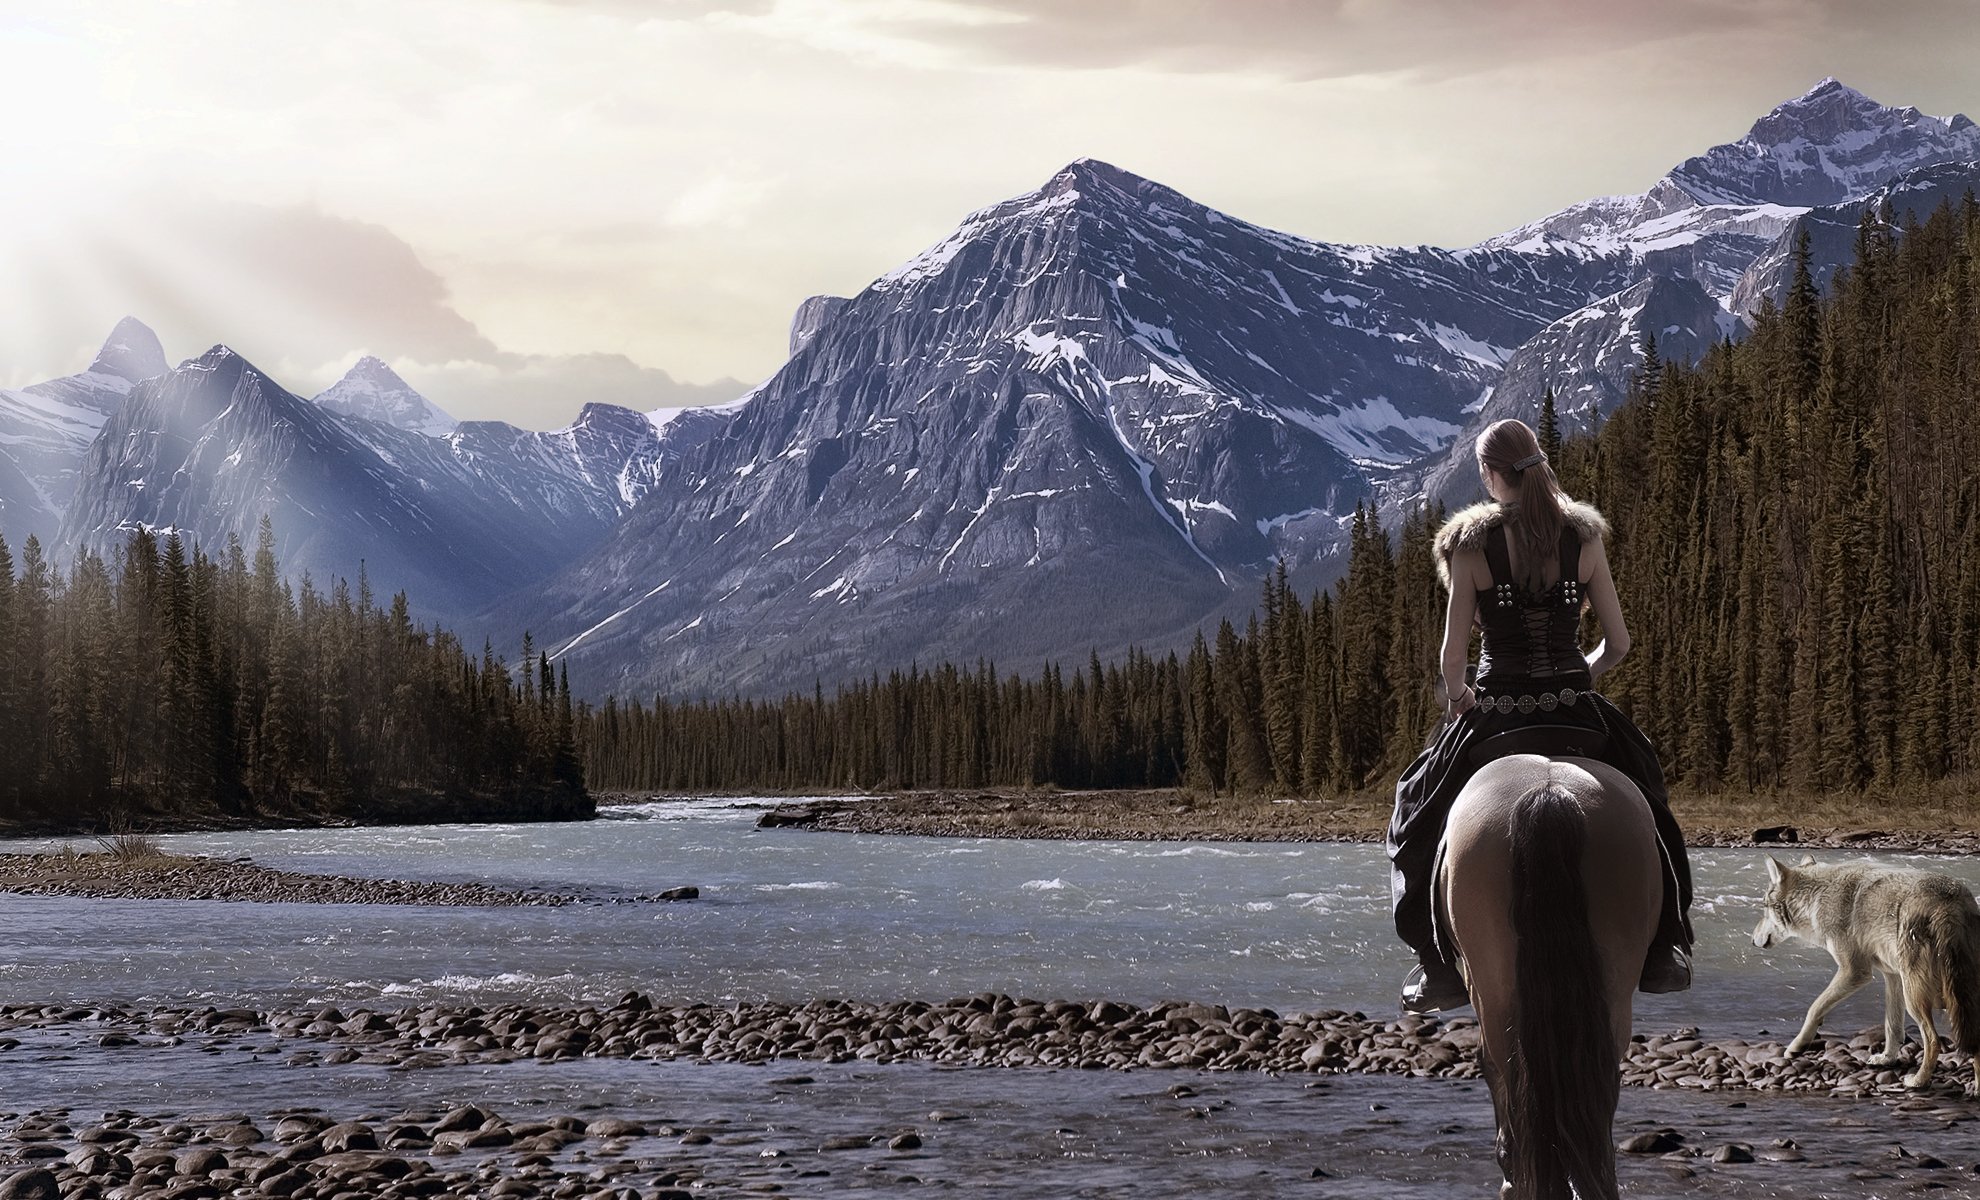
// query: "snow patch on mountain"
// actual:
[[373, 391]]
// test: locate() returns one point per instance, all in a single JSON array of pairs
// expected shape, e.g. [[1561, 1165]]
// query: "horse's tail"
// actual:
[[1562, 1074]]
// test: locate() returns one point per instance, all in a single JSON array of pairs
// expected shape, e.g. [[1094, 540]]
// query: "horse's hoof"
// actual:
[[1884, 1060]]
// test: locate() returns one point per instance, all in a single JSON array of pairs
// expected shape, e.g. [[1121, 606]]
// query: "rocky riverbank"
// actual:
[[875, 1133], [1173, 816], [982, 1030], [303, 1154], [152, 875]]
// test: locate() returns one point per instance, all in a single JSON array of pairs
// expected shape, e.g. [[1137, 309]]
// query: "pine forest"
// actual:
[[178, 684]]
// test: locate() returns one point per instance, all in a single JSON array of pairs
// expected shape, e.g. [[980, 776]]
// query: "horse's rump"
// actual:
[[1552, 964]]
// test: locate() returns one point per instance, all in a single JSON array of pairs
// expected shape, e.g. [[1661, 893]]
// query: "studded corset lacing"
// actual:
[[1531, 635]]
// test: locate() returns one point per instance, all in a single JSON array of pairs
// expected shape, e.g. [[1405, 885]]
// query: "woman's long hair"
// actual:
[[1534, 516]]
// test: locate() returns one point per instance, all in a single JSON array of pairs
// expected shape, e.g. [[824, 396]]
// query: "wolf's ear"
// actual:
[[1774, 869], [1807, 860]]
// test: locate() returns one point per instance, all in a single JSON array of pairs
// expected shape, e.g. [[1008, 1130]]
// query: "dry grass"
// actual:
[[131, 849], [1951, 807]]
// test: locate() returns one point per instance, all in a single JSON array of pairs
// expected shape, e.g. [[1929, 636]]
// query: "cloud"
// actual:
[[303, 292], [522, 387]]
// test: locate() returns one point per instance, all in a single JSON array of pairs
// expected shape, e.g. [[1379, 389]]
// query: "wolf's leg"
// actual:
[[1920, 1001], [1894, 998], [1850, 976]]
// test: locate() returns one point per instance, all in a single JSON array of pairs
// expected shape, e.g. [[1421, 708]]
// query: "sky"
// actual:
[[526, 205]]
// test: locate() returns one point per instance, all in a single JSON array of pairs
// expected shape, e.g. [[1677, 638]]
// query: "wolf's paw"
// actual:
[[1916, 1080], [1795, 1047], [1884, 1059]]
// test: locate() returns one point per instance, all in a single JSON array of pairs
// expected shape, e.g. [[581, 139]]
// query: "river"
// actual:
[[793, 914]]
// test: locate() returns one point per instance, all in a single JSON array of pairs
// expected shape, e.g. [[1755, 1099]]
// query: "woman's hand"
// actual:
[[1461, 702]]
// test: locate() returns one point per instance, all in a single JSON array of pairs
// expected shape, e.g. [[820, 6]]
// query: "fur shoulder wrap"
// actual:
[[1466, 529]]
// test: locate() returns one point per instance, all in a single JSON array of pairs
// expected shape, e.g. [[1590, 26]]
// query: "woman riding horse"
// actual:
[[1522, 567]]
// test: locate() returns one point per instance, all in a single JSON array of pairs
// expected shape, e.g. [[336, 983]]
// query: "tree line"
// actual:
[[1797, 547], [174, 682]]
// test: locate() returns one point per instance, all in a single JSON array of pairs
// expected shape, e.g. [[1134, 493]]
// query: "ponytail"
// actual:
[[1534, 516]]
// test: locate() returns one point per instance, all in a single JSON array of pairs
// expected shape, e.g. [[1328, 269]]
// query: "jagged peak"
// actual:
[[217, 355], [132, 351], [1832, 109], [1085, 186], [372, 390], [596, 414]]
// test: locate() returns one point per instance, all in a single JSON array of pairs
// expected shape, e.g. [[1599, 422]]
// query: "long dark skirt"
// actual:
[[1430, 786]]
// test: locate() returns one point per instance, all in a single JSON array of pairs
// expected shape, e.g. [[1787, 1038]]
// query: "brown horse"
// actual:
[[1552, 962]]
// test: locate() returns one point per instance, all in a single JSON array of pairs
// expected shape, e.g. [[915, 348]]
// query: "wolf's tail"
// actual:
[[1944, 947], [1963, 980], [1563, 1072]]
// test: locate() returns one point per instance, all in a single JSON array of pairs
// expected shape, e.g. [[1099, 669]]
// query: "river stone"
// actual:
[[1733, 1152], [472, 1139], [466, 1117], [611, 1127], [906, 1141], [349, 1135], [31, 1184], [1661, 1142], [198, 1162]]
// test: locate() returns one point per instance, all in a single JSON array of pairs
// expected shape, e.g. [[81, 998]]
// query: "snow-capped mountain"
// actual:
[[374, 391], [1712, 215], [1095, 413], [46, 429], [1091, 416], [1088, 416], [212, 446], [1829, 145]]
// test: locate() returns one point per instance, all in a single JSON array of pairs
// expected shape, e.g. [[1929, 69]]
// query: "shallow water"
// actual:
[[792, 914]]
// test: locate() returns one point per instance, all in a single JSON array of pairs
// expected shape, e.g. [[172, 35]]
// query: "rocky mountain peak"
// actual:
[[1827, 145], [132, 352], [373, 391]]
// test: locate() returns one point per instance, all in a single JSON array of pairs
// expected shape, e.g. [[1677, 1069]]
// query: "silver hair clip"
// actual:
[[1528, 461]]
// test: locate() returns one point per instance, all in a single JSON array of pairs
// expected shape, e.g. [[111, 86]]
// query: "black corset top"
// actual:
[[1531, 635]]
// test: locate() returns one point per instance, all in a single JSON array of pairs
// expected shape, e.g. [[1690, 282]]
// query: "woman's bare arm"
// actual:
[[1601, 588], [1465, 565]]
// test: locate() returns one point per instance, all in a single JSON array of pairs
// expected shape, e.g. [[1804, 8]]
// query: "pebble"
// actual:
[[987, 1029]]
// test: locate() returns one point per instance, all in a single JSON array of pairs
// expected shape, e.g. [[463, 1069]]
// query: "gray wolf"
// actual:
[[1920, 930], [1551, 886]]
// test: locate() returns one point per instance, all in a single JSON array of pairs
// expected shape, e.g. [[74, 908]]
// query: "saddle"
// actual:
[[1551, 741]]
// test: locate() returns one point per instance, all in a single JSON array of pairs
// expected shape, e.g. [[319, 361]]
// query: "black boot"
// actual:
[[1667, 968], [1434, 986]]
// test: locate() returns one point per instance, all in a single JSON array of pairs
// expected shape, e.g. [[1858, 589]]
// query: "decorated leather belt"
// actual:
[[1532, 702]]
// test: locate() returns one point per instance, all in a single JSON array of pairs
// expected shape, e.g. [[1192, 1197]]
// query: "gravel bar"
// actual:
[[981, 1030]]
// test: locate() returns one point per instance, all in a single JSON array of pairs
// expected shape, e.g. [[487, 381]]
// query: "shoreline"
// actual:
[[390, 810], [1172, 816], [149, 874]]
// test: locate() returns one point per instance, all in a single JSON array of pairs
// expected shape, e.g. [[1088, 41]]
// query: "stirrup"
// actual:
[[1424, 993], [1665, 969]]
